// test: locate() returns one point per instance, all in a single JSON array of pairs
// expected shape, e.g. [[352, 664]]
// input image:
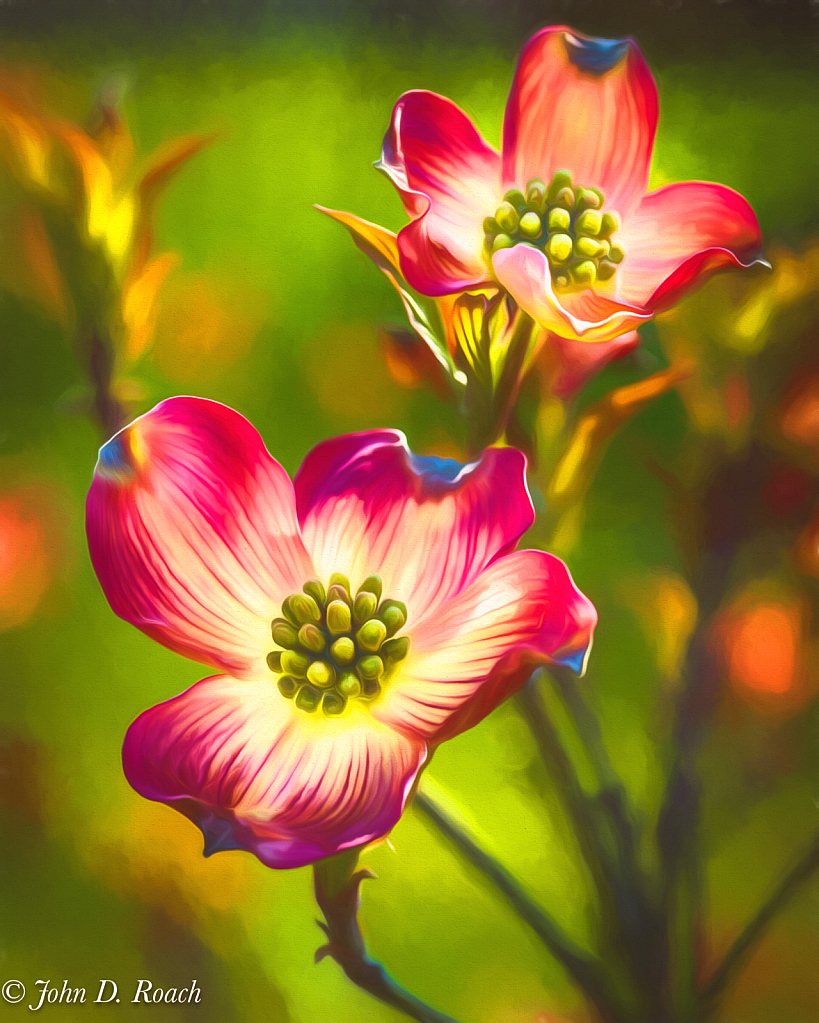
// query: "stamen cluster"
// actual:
[[564, 221], [336, 647]]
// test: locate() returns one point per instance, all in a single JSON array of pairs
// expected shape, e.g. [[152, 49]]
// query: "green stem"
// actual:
[[739, 952], [585, 969], [336, 885]]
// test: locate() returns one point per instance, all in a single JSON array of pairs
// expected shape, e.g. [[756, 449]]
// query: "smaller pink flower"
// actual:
[[358, 617], [560, 217]]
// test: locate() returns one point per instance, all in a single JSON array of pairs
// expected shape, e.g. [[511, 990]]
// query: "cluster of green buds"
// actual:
[[564, 221], [336, 647]]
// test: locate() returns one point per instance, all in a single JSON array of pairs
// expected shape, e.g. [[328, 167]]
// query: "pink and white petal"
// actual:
[[583, 105], [578, 361], [523, 611], [255, 773], [681, 234], [427, 526], [449, 181], [580, 316], [193, 534]]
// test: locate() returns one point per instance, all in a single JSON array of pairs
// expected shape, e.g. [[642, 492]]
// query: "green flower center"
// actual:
[[565, 222], [336, 647]]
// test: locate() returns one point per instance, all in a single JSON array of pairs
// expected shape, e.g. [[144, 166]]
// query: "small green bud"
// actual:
[[322, 674], [370, 667], [371, 635], [587, 248], [312, 638], [349, 685], [394, 615], [565, 197], [606, 271], [288, 612], [584, 273], [370, 688], [295, 663], [560, 180], [589, 222], [287, 686], [502, 241], [395, 649], [304, 608], [602, 248], [490, 226], [332, 704], [365, 605], [372, 584], [609, 224], [308, 699], [343, 650], [315, 589], [515, 198], [339, 619], [536, 194], [339, 579], [274, 661], [507, 217], [284, 634], [336, 592], [589, 199], [616, 254], [559, 219], [530, 225], [559, 247], [561, 281]]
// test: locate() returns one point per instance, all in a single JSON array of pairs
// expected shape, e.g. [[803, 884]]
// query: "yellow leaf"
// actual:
[[139, 304]]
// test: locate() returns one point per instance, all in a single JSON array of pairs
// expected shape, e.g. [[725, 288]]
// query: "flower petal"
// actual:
[[586, 106], [681, 234], [427, 526], [193, 534], [577, 361], [449, 181], [522, 611], [580, 316], [255, 773]]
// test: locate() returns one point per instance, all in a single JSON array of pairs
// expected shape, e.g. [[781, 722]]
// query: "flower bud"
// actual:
[[336, 592], [530, 225], [372, 584], [339, 579], [610, 222], [536, 195], [295, 663], [343, 650], [284, 634], [312, 638], [559, 219], [339, 619], [303, 608], [589, 222], [370, 667], [559, 248], [394, 615], [371, 635], [616, 254], [332, 704], [322, 674], [605, 271], [395, 649], [287, 686], [274, 661], [365, 605], [490, 226], [507, 217], [515, 198], [349, 685], [308, 699], [584, 273], [502, 241], [560, 180], [315, 589]]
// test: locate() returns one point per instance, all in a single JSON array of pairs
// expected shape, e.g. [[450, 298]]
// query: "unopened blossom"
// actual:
[[357, 617]]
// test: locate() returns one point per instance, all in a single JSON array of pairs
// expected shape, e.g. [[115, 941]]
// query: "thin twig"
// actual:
[[585, 969], [337, 894], [739, 952]]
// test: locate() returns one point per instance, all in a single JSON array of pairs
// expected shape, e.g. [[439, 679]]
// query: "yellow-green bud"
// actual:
[[584, 273], [394, 615], [606, 271], [336, 592], [602, 248], [370, 688], [343, 650], [308, 699], [559, 219], [507, 217], [560, 180], [339, 579], [616, 254], [349, 685], [610, 223], [536, 194], [371, 635], [565, 197], [589, 222], [395, 649], [295, 663], [332, 704], [339, 618], [322, 674], [490, 225], [312, 638], [589, 198], [370, 667], [515, 198], [530, 225], [315, 589], [284, 634], [372, 584], [287, 686], [561, 281], [365, 605], [587, 248], [502, 241], [303, 608], [274, 661], [559, 247]]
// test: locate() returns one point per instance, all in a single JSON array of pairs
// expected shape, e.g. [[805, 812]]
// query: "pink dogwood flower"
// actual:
[[560, 218], [357, 617]]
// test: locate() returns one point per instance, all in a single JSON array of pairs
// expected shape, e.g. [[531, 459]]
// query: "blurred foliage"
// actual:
[[277, 315]]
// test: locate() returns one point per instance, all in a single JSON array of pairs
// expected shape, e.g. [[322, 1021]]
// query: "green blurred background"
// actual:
[[275, 313]]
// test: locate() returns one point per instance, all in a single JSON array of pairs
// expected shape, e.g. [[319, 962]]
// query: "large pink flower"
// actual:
[[560, 218], [329, 698]]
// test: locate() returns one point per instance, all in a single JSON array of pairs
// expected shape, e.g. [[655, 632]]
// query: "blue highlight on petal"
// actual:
[[595, 56], [114, 461], [218, 835], [438, 473], [575, 660]]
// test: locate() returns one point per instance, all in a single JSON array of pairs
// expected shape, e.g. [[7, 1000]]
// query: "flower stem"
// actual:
[[585, 969], [739, 952], [108, 411], [336, 885]]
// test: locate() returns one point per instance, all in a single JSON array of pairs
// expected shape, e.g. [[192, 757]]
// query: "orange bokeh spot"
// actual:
[[25, 566], [799, 420], [763, 645]]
